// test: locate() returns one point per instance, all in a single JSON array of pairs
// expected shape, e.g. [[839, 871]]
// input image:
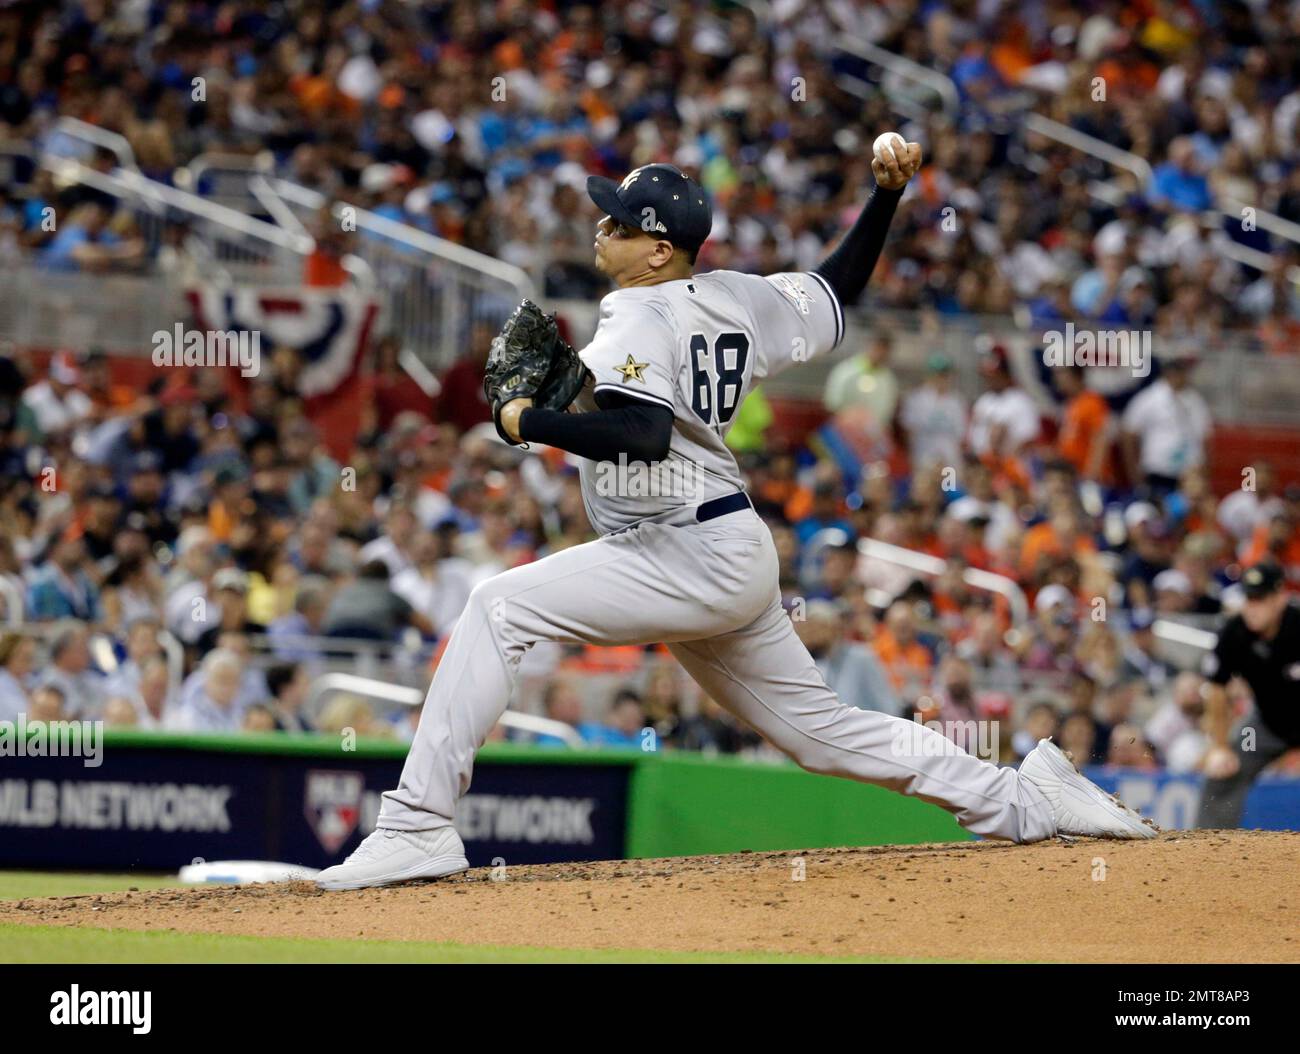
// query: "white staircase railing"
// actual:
[[434, 289], [396, 695]]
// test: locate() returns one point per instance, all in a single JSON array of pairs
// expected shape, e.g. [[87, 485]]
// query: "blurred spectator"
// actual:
[[1175, 725], [367, 609], [393, 548], [1142, 661], [1041, 722], [1166, 426], [347, 715], [310, 604], [70, 670], [1078, 738], [1084, 438], [1004, 420], [561, 702], [714, 731], [119, 713], [57, 403], [17, 663], [152, 699], [934, 417], [623, 727], [906, 661], [213, 707], [1127, 747], [141, 644], [259, 718], [230, 595], [852, 670], [436, 586], [1245, 510], [462, 401], [395, 390], [48, 705], [63, 587], [1179, 183], [865, 380], [287, 684], [89, 239]]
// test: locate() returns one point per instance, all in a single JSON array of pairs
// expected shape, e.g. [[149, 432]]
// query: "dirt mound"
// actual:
[[1184, 897]]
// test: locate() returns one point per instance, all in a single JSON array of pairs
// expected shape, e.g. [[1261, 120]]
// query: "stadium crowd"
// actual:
[[126, 513], [479, 122], [219, 517]]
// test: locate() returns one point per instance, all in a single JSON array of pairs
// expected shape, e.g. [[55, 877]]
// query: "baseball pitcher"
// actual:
[[688, 563]]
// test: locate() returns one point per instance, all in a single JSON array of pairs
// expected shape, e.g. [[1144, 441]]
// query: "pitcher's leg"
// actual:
[[654, 584], [763, 674], [472, 684]]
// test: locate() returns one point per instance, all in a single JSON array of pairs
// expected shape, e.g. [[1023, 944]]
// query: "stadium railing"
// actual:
[[934, 566], [391, 695], [241, 247], [434, 288]]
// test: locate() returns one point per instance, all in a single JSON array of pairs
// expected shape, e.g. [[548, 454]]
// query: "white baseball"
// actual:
[[892, 140]]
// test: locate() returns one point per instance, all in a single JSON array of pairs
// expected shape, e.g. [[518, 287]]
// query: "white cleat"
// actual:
[[1079, 806], [388, 857]]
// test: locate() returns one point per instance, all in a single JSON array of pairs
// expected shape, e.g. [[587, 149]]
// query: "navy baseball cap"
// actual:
[[679, 208], [1262, 580]]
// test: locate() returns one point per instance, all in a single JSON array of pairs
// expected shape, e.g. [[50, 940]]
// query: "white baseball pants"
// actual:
[[708, 591]]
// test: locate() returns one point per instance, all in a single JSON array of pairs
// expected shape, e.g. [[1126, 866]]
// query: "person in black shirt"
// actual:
[[1262, 646]]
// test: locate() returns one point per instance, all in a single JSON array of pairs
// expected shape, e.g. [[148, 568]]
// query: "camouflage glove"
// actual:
[[530, 360]]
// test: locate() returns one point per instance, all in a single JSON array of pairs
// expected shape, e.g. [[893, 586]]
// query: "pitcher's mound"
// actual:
[[1183, 897]]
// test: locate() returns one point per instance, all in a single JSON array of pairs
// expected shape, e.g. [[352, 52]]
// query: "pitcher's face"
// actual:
[[621, 249]]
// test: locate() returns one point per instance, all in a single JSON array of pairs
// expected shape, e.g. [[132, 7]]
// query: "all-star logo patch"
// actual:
[[633, 370], [793, 288]]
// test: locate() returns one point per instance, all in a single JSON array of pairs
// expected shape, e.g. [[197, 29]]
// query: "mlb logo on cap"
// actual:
[[1261, 580], [657, 199]]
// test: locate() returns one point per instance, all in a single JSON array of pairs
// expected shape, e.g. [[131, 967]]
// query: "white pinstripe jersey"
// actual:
[[696, 346]]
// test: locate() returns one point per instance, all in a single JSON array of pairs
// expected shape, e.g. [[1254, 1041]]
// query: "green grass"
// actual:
[[63, 944], [18, 885]]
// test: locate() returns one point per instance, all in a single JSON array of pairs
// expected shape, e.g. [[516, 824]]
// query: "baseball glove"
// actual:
[[530, 360]]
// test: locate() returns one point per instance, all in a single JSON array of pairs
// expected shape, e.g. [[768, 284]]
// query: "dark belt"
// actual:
[[711, 510]]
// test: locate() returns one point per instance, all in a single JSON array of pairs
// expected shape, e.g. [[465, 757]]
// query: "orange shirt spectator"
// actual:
[[906, 660], [1278, 541], [1279, 334], [324, 269], [1051, 539], [1083, 439], [902, 662]]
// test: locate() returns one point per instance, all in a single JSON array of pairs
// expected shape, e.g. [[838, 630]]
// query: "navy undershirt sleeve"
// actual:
[[849, 267], [634, 428]]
